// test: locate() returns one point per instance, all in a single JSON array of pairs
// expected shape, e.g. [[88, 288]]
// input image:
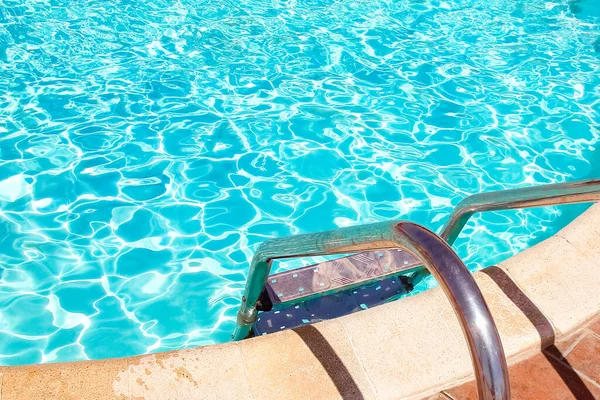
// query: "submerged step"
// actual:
[[336, 275], [333, 288]]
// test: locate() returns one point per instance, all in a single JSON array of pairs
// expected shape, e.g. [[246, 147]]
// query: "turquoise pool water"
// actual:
[[148, 147]]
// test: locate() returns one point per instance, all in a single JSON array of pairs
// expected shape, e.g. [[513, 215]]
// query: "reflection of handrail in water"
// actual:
[[453, 276]]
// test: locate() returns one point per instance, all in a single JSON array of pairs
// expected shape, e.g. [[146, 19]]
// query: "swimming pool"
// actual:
[[148, 147]]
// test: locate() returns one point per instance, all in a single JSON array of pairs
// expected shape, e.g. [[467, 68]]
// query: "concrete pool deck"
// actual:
[[413, 348], [569, 369]]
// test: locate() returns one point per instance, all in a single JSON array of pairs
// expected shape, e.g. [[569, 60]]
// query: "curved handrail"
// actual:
[[455, 279], [536, 196]]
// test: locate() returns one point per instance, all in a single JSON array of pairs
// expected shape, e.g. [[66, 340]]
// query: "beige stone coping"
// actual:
[[406, 349]]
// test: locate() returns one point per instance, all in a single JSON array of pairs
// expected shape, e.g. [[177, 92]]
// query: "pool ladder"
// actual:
[[437, 258]]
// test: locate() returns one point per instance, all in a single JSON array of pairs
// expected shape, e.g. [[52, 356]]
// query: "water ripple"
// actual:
[[148, 147]]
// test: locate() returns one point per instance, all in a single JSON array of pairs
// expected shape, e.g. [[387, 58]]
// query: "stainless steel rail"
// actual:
[[455, 279], [536, 196]]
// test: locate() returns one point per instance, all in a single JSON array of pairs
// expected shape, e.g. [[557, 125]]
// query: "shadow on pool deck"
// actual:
[[549, 375], [328, 358]]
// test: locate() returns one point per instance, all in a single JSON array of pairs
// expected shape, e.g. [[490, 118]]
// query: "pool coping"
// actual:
[[411, 348]]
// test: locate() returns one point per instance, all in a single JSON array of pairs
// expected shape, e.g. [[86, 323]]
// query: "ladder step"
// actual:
[[331, 306], [291, 287]]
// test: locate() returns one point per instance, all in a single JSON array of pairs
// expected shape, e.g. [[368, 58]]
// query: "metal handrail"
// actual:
[[536, 196], [453, 276]]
